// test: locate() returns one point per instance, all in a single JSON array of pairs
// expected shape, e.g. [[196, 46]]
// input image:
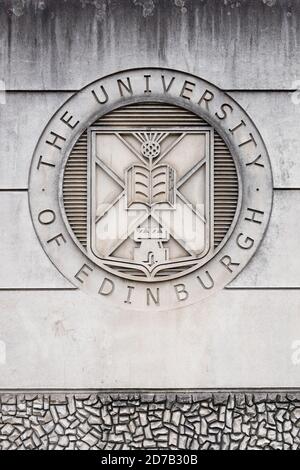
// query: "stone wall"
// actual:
[[54, 337], [129, 421]]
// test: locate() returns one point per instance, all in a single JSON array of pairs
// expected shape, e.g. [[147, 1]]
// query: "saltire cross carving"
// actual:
[[107, 215]]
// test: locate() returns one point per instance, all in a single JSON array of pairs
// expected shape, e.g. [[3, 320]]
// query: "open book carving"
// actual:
[[146, 186]]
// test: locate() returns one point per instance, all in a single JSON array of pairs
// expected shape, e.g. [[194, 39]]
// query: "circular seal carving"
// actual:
[[150, 188]]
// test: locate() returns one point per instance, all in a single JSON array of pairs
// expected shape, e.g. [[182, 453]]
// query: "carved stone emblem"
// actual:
[[151, 188], [152, 219]]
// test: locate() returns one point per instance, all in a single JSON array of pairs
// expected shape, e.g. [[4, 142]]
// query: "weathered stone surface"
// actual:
[[170, 331], [242, 43], [211, 424], [282, 140], [244, 58]]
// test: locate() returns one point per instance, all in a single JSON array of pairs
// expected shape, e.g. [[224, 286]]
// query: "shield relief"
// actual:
[[150, 193]]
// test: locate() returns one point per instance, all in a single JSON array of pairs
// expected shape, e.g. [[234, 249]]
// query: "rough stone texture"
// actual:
[[55, 44], [133, 420]]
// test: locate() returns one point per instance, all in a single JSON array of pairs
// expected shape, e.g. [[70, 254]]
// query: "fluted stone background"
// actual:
[[57, 338]]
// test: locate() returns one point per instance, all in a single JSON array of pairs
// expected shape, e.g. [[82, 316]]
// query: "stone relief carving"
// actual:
[[156, 177], [153, 219], [137, 420]]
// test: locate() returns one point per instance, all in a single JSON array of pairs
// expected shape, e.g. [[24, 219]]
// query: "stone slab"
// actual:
[[25, 265], [275, 115], [23, 261], [52, 44], [231, 340], [25, 115], [276, 263]]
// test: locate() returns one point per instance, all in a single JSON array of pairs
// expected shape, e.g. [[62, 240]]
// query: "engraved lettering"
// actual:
[[256, 162], [67, 120], [107, 287], [249, 141], [130, 291], [147, 89], [152, 297], [123, 86], [204, 284], [97, 97], [154, 229], [244, 242], [58, 239], [83, 271], [57, 137], [46, 217], [227, 262], [224, 113], [188, 87], [42, 162], [181, 292], [236, 128], [256, 216], [206, 98], [167, 88]]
